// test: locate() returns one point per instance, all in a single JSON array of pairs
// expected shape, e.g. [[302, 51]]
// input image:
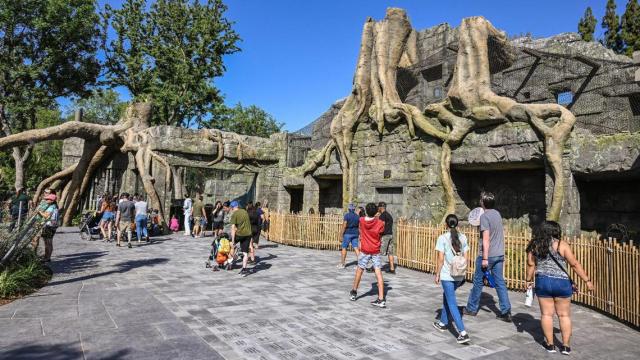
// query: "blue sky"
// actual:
[[298, 57]]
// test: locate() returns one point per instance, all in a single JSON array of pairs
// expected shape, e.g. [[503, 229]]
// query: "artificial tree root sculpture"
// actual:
[[470, 104], [60, 175], [131, 134]]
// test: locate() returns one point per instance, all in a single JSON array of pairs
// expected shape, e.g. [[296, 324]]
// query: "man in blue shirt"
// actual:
[[350, 231]]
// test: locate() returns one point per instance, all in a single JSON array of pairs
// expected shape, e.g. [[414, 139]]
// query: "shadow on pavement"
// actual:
[[270, 246], [53, 352], [488, 301], [67, 264], [122, 267], [373, 291], [525, 322]]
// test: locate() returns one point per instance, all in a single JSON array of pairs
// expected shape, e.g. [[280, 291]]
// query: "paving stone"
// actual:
[[158, 301]]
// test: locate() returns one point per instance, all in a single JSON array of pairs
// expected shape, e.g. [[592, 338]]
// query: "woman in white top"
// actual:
[[449, 245]]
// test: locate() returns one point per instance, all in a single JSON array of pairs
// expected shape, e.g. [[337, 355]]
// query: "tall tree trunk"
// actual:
[[20, 157]]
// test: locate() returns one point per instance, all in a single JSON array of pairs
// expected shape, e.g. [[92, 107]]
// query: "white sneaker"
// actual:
[[340, 266]]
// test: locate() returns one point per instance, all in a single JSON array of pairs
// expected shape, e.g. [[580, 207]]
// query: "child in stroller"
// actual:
[[219, 256]]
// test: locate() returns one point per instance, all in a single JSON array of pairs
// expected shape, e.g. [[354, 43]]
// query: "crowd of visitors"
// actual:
[[370, 234]]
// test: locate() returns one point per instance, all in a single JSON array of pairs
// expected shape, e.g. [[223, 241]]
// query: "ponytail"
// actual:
[[452, 224]]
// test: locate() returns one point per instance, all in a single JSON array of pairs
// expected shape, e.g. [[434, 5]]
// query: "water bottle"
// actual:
[[488, 277], [528, 299]]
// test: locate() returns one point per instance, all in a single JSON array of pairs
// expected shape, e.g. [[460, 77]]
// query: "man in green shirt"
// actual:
[[241, 233], [198, 215]]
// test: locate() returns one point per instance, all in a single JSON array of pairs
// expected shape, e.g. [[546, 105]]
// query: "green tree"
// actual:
[[45, 159], [102, 107], [587, 25], [611, 26], [250, 120], [171, 54], [47, 50], [631, 27]]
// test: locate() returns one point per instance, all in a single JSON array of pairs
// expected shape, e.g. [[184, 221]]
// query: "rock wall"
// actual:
[[598, 86]]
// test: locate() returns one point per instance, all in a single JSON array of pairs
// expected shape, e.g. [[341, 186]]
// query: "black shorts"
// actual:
[[244, 241], [255, 237], [217, 225], [265, 226], [48, 232]]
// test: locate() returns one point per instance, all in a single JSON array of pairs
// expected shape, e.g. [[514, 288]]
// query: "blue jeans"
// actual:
[[450, 305], [141, 226], [496, 264]]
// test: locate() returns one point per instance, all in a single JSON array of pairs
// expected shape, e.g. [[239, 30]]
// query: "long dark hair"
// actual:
[[543, 238], [452, 224]]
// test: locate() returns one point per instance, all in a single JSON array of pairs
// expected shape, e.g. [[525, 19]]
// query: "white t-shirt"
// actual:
[[188, 204], [141, 208], [443, 245]]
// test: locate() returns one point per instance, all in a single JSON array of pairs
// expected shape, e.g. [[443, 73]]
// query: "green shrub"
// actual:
[[23, 276]]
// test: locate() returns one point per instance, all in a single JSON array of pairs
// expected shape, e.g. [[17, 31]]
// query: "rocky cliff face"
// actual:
[[597, 85]]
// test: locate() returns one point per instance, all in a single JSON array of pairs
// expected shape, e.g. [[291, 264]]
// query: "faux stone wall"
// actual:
[[239, 186], [505, 158]]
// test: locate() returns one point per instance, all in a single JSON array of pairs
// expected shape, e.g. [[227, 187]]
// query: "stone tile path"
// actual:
[[157, 301]]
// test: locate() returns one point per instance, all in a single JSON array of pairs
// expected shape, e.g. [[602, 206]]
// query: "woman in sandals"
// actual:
[[449, 245], [547, 259]]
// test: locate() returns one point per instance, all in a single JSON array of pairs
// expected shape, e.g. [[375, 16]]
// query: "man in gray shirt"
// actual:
[[490, 258], [124, 218]]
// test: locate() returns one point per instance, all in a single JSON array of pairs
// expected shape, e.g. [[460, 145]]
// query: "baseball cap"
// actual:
[[234, 204], [352, 207]]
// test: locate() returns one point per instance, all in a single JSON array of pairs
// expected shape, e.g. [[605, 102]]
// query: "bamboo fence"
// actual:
[[614, 268]]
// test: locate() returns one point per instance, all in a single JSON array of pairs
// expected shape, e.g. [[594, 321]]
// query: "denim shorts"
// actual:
[[349, 239], [363, 260], [551, 287], [108, 216]]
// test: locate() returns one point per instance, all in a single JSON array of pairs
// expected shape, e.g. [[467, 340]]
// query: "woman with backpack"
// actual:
[[451, 267], [50, 214], [547, 258]]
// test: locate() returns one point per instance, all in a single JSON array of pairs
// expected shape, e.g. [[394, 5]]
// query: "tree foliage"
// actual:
[[47, 50], [171, 54], [587, 25], [611, 26], [102, 107], [45, 159], [630, 26], [250, 120]]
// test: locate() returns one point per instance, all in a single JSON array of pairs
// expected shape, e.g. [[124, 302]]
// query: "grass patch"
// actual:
[[23, 276]]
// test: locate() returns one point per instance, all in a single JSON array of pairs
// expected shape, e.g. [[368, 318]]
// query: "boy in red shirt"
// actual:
[[371, 229]]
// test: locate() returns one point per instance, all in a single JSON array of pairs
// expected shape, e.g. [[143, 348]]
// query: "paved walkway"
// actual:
[[157, 301]]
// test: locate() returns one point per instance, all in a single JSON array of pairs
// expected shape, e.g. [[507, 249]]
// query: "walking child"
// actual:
[[371, 229]]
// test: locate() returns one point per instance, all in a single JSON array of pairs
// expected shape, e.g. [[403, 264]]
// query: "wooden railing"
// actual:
[[613, 267]]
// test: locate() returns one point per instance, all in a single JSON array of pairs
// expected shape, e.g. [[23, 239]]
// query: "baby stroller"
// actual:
[[219, 255], [90, 226]]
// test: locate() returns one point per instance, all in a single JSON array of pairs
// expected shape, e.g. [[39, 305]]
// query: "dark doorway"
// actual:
[[607, 202], [297, 198], [520, 193], [330, 196]]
